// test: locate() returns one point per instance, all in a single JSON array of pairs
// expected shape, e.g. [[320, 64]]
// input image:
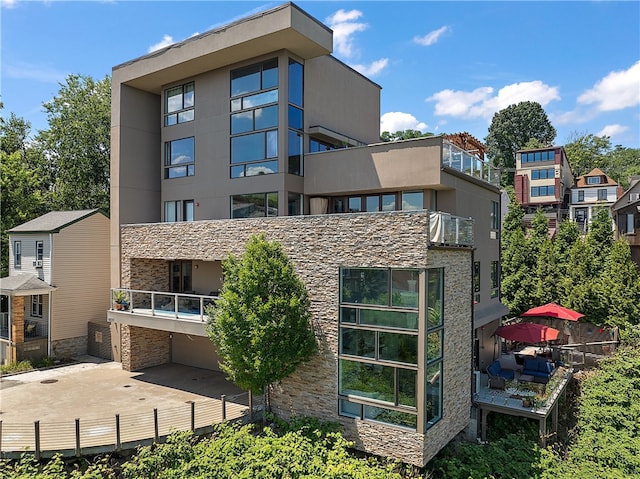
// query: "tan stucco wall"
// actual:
[[318, 246]]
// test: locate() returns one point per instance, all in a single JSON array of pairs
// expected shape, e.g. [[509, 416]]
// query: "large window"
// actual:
[[602, 194], [548, 190], [536, 156], [626, 223], [254, 205], [543, 174], [179, 211], [254, 120], [17, 254], [179, 158], [412, 200], [296, 118], [379, 345], [179, 104]]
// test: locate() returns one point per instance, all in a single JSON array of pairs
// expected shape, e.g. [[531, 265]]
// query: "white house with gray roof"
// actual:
[[58, 284]]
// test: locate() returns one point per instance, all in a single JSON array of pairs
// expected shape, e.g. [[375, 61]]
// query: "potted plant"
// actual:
[[121, 299]]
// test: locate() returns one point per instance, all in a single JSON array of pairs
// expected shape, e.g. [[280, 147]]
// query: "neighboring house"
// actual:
[[58, 275], [255, 127], [542, 181], [626, 213], [592, 192]]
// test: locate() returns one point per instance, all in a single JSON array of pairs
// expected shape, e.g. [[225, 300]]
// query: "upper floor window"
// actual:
[[296, 83], [548, 190], [17, 254], [254, 120], [39, 250], [179, 158], [536, 156], [495, 279], [593, 180], [179, 104], [602, 194], [179, 211], [412, 200], [254, 205], [495, 215], [476, 281], [580, 195], [543, 174]]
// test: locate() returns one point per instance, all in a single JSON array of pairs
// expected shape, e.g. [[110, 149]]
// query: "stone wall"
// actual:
[[319, 246], [69, 347], [143, 348]]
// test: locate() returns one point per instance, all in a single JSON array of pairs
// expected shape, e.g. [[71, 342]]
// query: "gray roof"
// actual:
[[53, 221], [625, 199], [24, 284]]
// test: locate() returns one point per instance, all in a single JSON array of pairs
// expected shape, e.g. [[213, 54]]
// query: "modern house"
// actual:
[[58, 275], [255, 128], [543, 180], [626, 213], [592, 191]]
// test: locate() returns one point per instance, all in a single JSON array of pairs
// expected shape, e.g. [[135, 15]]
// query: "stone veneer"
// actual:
[[318, 246], [143, 348], [69, 347]]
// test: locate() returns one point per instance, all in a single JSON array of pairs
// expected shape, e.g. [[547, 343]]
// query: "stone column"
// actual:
[[17, 319]]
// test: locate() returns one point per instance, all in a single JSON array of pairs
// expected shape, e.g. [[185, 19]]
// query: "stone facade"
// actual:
[[144, 348], [319, 246], [69, 347]]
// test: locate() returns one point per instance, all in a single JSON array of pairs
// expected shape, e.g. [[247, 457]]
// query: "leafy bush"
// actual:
[[16, 367]]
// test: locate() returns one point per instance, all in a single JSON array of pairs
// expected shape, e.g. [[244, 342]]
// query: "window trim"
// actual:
[[178, 113], [37, 305], [602, 194], [39, 250], [17, 254], [190, 167]]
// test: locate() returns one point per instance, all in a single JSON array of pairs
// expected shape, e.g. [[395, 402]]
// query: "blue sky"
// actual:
[[443, 66]]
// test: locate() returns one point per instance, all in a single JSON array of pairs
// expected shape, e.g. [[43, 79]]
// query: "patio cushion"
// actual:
[[496, 370], [538, 368]]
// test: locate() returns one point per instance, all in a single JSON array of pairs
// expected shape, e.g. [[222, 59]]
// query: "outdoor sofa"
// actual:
[[540, 369], [498, 375]]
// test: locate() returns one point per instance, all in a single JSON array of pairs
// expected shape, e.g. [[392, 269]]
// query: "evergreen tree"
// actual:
[[567, 234], [546, 274], [620, 286]]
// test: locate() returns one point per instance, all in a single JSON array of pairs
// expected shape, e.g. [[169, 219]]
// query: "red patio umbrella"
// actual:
[[553, 310], [527, 332]]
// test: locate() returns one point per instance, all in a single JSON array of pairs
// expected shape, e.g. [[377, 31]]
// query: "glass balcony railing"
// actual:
[[465, 162], [162, 304], [448, 230]]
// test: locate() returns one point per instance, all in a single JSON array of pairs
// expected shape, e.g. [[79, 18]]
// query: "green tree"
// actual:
[[547, 277], [516, 283], [77, 143], [24, 193], [403, 135], [567, 234], [511, 129], [600, 237], [620, 284], [261, 324]]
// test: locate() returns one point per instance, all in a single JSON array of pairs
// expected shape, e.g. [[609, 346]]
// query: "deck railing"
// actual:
[[123, 431], [448, 230], [465, 162], [161, 303]]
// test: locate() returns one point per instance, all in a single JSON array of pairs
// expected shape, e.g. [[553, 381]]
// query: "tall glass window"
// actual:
[[412, 200], [378, 345], [179, 104], [495, 279], [254, 205], [179, 158], [294, 204], [296, 118], [434, 346], [254, 120]]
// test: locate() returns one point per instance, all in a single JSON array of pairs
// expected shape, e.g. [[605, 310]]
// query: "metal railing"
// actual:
[[123, 431], [162, 303], [448, 230]]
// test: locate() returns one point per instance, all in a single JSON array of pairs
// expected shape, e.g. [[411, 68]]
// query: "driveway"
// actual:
[[95, 391]]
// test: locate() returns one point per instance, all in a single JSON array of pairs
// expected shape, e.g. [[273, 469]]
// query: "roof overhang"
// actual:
[[24, 284], [283, 28]]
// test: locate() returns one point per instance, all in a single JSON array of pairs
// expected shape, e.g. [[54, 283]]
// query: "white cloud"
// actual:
[[431, 37], [343, 25], [165, 42], [612, 130], [397, 121], [482, 103], [25, 71], [373, 68], [616, 91], [8, 3]]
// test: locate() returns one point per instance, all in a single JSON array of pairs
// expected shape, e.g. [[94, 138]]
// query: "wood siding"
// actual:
[[81, 274]]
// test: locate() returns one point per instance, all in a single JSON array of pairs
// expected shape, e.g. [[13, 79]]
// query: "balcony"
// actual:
[[463, 161], [178, 312], [448, 230]]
